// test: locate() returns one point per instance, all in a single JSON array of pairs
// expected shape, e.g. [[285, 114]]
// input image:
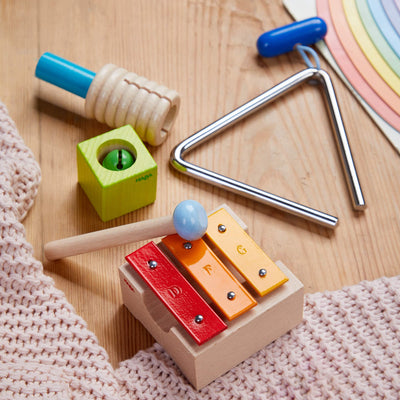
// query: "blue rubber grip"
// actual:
[[64, 74], [282, 40]]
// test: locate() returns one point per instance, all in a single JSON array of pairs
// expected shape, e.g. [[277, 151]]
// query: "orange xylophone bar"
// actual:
[[226, 292]]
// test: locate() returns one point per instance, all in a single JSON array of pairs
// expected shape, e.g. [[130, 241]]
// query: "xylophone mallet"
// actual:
[[189, 221]]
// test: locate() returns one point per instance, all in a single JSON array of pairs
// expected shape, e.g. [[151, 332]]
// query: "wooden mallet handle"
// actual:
[[189, 221]]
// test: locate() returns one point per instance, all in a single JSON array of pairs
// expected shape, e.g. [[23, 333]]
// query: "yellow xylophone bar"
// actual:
[[244, 253]]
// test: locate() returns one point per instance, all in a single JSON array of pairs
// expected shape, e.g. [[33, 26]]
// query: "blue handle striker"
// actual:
[[284, 39]]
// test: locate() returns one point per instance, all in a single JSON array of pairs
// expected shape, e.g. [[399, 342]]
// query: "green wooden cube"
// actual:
[[115, 193]]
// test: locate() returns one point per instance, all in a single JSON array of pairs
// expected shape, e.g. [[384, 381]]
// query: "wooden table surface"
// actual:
[[205, 50]]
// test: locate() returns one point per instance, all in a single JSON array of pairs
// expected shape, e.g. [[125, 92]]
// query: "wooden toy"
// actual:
[[207, 339], [115, 96], [269, 44], [117, 191], [189, 220]]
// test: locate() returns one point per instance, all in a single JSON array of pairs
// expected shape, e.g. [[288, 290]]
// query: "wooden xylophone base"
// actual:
[[274, 315]]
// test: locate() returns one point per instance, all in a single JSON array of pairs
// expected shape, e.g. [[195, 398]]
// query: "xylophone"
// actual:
[[207, 292], [211, 302]]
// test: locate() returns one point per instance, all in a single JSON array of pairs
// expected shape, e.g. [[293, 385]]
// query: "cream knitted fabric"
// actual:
[[348, 346], [46, 351]]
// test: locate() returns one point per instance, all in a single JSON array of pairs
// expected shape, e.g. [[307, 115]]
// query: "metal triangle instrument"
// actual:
[[210, 131]]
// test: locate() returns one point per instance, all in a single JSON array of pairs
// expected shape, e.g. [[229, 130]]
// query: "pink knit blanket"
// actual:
[[348, 346]]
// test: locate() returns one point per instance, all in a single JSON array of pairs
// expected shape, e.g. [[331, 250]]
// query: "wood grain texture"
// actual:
[[206, 51]]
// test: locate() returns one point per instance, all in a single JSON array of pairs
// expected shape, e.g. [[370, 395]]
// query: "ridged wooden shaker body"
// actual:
[[117, 97]]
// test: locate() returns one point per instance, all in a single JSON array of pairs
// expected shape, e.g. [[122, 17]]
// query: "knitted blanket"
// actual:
[[347, 347]]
